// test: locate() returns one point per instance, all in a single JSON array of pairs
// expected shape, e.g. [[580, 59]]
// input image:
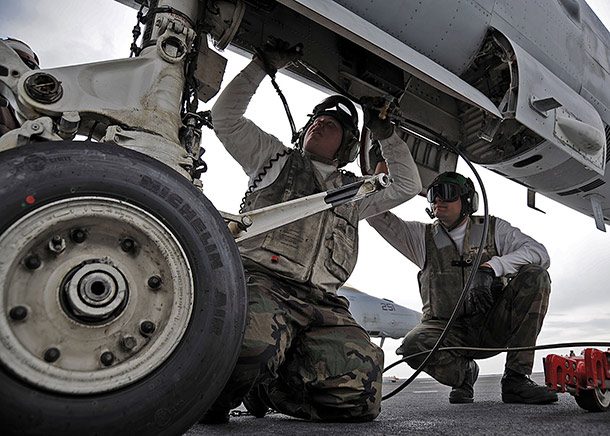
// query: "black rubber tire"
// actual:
[[172, 397], [590, 400]]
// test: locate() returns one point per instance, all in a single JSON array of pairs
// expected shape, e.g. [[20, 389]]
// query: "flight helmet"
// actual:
[[344, 111], [450, 186]]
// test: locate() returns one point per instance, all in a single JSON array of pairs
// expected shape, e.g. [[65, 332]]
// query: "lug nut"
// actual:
[[128, 343], [18, 313], [154, 282], [147, 327], [78, 236], [107, 358], [32, 262], [128, 245], [51, 355], [57, 244]]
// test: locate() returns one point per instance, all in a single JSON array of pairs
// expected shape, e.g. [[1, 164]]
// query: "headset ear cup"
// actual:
[[475, 202], [349, 149], [301, 133]]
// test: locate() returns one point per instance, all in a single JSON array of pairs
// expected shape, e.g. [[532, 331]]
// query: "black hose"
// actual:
[[458, 305], [503, 350], [286, 108]]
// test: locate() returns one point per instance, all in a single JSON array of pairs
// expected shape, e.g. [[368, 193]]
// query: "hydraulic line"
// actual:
[[286, 108], [502, 350], [477, 261]]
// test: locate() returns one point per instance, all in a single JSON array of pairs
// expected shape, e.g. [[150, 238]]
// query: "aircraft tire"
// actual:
[[122, 294]]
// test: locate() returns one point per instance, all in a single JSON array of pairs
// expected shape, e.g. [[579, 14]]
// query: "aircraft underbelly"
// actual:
[[448, 32], [358, 30]]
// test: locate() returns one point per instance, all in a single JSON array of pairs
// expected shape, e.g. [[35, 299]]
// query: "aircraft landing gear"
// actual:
[[122, 295]]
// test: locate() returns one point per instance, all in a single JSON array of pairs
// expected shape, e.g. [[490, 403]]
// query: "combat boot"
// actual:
[[254, 402], [465, 392], [519, 388]]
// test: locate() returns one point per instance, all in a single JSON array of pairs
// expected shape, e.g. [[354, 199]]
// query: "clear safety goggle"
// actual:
[[445, 191]]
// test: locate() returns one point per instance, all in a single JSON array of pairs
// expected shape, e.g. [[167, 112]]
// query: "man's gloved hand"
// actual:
[[277, 54], [479, 298], [376, 116]]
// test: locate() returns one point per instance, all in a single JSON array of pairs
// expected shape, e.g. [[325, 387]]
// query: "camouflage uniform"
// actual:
[[301, 343], [302, 349], [515, 319], [312, 358]]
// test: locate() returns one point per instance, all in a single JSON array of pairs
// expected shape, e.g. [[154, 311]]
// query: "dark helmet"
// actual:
[[450, 186], [24, 51], [344, 111]]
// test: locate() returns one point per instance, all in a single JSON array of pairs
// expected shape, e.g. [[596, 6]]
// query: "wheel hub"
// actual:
[[95, 293]]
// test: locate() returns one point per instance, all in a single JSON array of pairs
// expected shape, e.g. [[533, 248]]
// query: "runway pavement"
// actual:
[[423, 409]]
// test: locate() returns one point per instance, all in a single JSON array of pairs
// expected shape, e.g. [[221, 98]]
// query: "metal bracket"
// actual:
[[531, 200], [41, 128], [598, 213], [175, 39], [543, 105], [256, 222]]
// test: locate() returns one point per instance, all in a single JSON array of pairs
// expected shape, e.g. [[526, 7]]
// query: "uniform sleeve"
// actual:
[[406, 183], [516, 249], [408, 237], [249, 145]]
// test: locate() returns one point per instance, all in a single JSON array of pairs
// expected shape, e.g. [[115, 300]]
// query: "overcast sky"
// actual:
[[64, 32]]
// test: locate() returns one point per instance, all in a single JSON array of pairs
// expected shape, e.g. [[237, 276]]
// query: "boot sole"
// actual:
[[461, 401], [517, 399]]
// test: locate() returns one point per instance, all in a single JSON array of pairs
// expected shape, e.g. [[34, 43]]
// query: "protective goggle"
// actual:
[[445, 191]]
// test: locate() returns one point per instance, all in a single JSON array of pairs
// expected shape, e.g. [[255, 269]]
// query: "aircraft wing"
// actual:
[[380, 317]]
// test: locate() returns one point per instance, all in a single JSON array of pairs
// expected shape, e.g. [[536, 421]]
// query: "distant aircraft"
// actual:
[[122, 294], [380, 317]]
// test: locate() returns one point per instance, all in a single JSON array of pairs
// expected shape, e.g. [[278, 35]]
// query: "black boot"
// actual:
[[465, 392], [255, 402], [519, 388]]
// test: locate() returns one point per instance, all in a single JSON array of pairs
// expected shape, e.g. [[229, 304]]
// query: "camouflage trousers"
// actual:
[[514, 320], [306, 352]]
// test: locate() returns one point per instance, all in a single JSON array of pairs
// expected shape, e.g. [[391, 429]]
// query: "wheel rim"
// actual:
[[95, 293], [602, 397]]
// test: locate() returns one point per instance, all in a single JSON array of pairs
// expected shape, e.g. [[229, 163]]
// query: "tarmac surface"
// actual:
[[423, 409]]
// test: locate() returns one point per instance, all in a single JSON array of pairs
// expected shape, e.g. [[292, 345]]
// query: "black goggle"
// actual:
[[445, 191]]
